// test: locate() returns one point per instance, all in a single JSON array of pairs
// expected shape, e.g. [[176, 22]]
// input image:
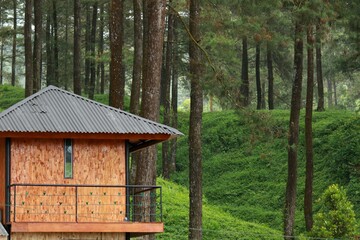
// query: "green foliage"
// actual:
[[217, 224], [245, 161], [336, 218], [10, 95]]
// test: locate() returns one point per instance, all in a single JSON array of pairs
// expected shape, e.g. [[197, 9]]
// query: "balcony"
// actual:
[[85, 208]]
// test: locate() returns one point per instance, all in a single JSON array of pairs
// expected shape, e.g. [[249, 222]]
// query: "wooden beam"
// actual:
[[131, 137], [2, 179], [130, 227]]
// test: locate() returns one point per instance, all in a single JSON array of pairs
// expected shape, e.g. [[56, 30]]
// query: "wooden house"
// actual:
[[64, 169]]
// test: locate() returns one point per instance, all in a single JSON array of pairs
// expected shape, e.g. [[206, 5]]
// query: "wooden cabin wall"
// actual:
[[2, 179], [72, 236], [95, 162]]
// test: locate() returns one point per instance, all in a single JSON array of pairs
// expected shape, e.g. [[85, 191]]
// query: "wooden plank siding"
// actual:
[[2, 179], [72, 236], [95, 162]]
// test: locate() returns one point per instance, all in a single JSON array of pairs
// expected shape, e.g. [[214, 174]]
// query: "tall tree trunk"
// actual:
[[87, 48], [293, 140], [77, 47], [137, 63], [117, 82], [269, 61], [37, 45], [196, 109], [168, 74], [28, 49], [334, 92], [101, 66], [13, 59], [174, 105], [49, 48], [150, 104], [258, 81], [136, 74], [263, 100], [308, 198], [319, 75], [66, 75], [56, 45], [244, 88], [330, 93], [92, 52]]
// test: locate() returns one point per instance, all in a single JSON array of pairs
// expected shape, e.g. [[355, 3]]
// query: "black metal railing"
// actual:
[[84, 203]]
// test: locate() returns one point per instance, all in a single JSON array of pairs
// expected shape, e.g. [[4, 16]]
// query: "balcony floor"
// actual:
[[121, 227]]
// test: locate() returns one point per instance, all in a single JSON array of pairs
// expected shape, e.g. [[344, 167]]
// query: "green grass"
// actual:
[[217, 224], [245, 161], [10, 95]]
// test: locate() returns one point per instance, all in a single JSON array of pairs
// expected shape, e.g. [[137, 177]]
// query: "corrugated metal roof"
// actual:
[[58, 111]]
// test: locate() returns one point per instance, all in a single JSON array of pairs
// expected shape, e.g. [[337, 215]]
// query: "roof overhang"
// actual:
[[137, 141]]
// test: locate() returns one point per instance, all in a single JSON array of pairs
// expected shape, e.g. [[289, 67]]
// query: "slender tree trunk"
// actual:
[[308, 198], [117, 82], [56, 45], [77, 47], [167, 106], [92, 51], [13, 59], [66, 75], [257, 71], [334, 91], [1, 60], [87, 48], [319, 75], [28, 49], [244, 88], [174, 104], [196, 109], [101, 67], [137, 63], [49, 48], [330, 93], [270, 77], [263, 100], [37, 45], [293, 140]]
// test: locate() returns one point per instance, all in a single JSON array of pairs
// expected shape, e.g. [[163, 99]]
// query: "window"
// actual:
[[68, 159]]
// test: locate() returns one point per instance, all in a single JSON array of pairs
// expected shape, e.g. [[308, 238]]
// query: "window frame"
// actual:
[[68, 143]]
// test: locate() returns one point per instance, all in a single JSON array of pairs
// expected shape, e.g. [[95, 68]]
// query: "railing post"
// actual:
[[76, 204], [15, 203], [161, 210]]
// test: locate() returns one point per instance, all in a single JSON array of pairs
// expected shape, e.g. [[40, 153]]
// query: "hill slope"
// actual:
[[245, 161]]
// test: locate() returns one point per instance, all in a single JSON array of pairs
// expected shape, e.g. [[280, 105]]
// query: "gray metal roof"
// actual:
[[55, 110]]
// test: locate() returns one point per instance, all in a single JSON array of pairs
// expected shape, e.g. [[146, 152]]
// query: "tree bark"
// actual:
[[150, 104], [168, 74], [244, 88], [13, 59], [56, 45], [269, 61], [319, 75], [92, 51], [37, 45], [174, 105], [308, 198], [87, 48], [49, 47], [101, 66], [258, 81], [196, 109], [117, 82], [293, 140], [137, 63], [28, 49], [77, 47], [330, 93]]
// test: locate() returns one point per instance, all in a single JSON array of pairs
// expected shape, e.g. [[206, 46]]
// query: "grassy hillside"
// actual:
[[245, 161], [217, 224]]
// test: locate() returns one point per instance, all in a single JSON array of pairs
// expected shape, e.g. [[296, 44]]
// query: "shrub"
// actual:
[[336, 218]]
